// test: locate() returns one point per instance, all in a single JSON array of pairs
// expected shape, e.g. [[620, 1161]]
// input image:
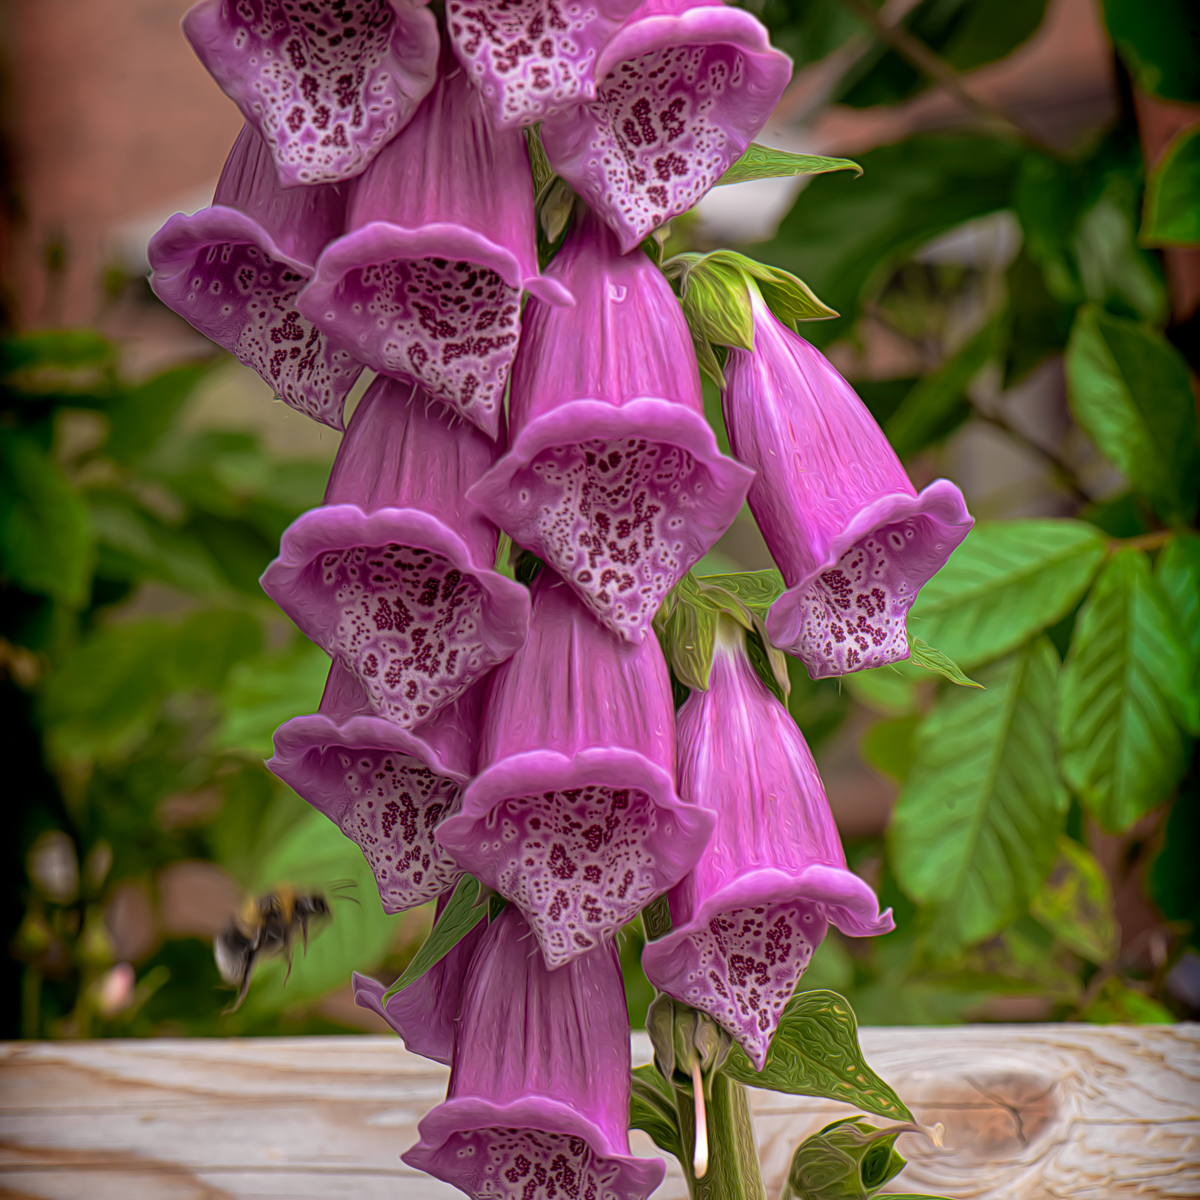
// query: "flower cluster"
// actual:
[[378, 211]]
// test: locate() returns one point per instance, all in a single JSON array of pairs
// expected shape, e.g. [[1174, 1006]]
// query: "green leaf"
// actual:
[[1158, 44], [766, 162], [1122, 751], [1171, 216], [1119, 1004], [140, 416], [1006, 582], [686, 626], [1076, 904], [652, 1109], [973, 832], [45, 534], [1178, 574], [54, 349], [208, 645], [1173, 881], [757, 590], [459, 917], [890, 746], [815, 1052], [1129, 390], [940, 664], [844, 235], [847, 1160]]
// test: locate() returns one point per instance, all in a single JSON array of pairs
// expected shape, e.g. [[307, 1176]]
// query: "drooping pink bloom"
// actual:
[[393, 575], [234, 270], [426, 285], [573, 814], [613, 476], [681, 91], [538, 1102], [385, 788], [746, 920], [326, 85], [425, 1013], [853, 539], [531, 58]]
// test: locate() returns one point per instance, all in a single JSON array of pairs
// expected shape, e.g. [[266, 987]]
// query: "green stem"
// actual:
[[733, 1171]]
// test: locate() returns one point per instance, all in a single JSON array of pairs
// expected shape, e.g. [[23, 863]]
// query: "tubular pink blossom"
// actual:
[[573, 815], [746, 920], [234, 271], [853, 539], [326, 85], [393, 576], [682, 90], [426, 285], [531, 58], [538, 1103], [385, 788], [614, 476]]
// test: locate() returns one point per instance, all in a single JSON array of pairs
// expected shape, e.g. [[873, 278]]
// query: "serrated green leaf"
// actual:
[[940, 664], [458, 918], [766, 162], [815, 1052], [1121, 748], [1129, 390], [45, 533], [973, 832], [1171, 216], [652, 1109], [1006, 582], [1076, 904]]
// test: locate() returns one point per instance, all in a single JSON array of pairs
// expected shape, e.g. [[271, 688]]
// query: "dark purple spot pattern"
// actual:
[[528, 1164]]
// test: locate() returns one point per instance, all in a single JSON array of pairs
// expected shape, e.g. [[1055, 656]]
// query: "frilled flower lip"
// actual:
[[381, 241], [173, 248], [336, 527], [940, 502], [655, 419], [637, 1177]]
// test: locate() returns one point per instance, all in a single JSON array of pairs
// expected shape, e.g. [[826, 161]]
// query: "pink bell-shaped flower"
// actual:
[[573, 815], [531, 58], [385, 788], [538, 1103], [426, 284], [614, 477], [681, 91], [853, 539], [393, 575], [326, 85], [747, 918], [234, 271]]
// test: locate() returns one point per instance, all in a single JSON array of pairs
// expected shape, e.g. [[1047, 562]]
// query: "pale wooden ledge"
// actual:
[[1054, 1111]]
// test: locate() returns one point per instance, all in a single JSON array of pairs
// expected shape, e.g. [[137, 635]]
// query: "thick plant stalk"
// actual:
[[732, 1172]]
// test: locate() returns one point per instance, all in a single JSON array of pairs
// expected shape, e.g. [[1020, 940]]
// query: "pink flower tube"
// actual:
[[326, 85], [682, 90], [573, 815], [426, 284], [538, 1103], [531, 58], [853, 539], [746, 920], [234, 271], [393, 576], [385, 788], [613, 476]]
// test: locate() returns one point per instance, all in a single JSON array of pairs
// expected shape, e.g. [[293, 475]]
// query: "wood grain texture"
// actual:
[[1030, 1112]]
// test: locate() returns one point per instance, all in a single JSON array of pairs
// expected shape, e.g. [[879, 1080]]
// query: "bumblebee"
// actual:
[[266, 925]]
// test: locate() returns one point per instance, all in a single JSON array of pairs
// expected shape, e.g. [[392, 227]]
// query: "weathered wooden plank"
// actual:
[[1030, 1112]]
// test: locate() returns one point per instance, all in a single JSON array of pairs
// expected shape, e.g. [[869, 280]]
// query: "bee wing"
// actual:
[[233, 964], [245, 987]]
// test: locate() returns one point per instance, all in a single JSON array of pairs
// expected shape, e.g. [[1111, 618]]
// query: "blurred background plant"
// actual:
[[1018, 276]]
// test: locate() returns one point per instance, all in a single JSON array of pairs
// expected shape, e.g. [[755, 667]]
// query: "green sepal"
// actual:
[[815, 1052], [766, 162], [656, 919], [461, 914], [940, 664], [555, 203], [847, 1160], [539, 164]]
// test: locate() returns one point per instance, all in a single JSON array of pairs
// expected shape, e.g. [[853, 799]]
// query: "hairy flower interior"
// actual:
[[746, 964], [409, 625], [245, 301], [529, 1164], [396, 803], [319, 85], [452, 326], [853, 615], [660, 143], [533, 51], [611, 518], [578, 863]]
